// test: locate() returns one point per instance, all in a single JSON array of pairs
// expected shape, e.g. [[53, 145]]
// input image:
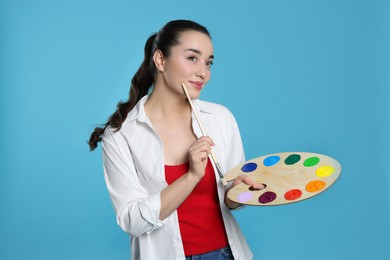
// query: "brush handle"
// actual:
[[219, 170]]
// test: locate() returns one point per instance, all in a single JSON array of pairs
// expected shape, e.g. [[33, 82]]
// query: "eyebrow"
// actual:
[[198, 52]]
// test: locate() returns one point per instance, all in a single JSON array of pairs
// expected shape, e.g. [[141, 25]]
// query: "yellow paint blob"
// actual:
[[314, 186], [325, 171]]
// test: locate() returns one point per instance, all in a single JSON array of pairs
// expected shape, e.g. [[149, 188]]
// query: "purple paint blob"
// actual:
[[249, 167], [267, 197], [244, 196], [271, 160]]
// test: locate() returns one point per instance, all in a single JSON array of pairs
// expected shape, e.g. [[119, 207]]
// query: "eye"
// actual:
[[210, 63], [192, 58]]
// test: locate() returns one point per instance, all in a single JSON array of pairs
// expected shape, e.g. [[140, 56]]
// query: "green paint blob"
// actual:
[[311, 161], [292, 159]]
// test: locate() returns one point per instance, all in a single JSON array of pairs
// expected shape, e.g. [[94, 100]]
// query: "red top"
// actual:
[[200, 219]]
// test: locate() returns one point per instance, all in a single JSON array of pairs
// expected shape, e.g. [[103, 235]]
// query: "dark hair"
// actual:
[[144, 78]]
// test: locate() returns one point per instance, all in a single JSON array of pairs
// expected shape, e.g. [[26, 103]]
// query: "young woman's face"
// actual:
[[189, 63]]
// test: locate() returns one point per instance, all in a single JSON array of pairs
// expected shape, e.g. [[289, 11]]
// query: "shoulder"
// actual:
[[111, 135], [135, 116]]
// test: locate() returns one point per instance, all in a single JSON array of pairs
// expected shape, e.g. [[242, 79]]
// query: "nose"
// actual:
[[202, 71]]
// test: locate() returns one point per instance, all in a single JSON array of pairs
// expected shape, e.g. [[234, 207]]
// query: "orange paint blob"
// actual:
[[314, 186], [293, 194]]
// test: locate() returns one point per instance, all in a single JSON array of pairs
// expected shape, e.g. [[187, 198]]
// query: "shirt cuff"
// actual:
[[150, 211]]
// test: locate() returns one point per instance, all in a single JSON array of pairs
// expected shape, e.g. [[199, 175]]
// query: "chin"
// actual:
[[195, 95]]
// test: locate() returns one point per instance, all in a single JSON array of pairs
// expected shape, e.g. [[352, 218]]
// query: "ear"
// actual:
[[159, 60]]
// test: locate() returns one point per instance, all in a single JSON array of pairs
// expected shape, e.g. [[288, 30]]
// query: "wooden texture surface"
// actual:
[[295, 176]]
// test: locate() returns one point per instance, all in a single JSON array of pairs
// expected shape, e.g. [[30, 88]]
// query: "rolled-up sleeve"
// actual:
[[137, 211]]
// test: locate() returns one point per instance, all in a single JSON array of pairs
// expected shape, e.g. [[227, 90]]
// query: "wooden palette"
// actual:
[[288, 177]]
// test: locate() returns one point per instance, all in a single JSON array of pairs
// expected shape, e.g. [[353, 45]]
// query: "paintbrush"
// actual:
[[219, 170]]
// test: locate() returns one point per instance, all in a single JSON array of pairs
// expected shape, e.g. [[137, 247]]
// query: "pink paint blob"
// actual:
[[244, 196]]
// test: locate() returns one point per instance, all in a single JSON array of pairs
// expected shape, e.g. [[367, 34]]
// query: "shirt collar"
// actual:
[[138, 112], [202, 106]]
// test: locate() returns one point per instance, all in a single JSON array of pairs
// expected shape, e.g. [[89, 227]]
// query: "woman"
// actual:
[[162, 185]]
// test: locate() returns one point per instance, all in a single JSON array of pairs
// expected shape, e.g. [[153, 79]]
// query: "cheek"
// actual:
[[184, 67], [179, 68], [176, 72]]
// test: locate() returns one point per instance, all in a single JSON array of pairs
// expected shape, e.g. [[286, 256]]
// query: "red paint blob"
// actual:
[[293, 194]]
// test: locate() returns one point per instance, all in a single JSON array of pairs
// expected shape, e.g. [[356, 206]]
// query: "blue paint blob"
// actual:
[[249, 167], [271, 160]]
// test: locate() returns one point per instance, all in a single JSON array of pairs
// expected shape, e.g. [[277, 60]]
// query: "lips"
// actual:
[[197, 84]]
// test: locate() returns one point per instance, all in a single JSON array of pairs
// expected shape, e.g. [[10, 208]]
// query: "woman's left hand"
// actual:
[[241, 179]]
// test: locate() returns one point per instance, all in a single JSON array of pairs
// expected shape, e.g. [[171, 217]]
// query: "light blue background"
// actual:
[[298, 75]]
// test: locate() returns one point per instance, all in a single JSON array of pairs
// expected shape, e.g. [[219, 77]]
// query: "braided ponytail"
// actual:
[[141, 82]]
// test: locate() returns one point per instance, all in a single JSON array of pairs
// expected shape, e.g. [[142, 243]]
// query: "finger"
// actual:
[[238, 180], [200, 148], [208, 139], [258, 186], [201, 156], [246, 179]]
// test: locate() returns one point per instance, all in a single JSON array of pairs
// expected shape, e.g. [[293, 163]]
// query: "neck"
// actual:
[[167, 105]]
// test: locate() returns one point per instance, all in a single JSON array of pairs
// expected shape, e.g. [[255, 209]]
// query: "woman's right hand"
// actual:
[[198, 156], [174, 194]]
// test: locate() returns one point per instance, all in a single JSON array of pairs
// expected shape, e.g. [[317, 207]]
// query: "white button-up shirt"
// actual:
[[133, 159]]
